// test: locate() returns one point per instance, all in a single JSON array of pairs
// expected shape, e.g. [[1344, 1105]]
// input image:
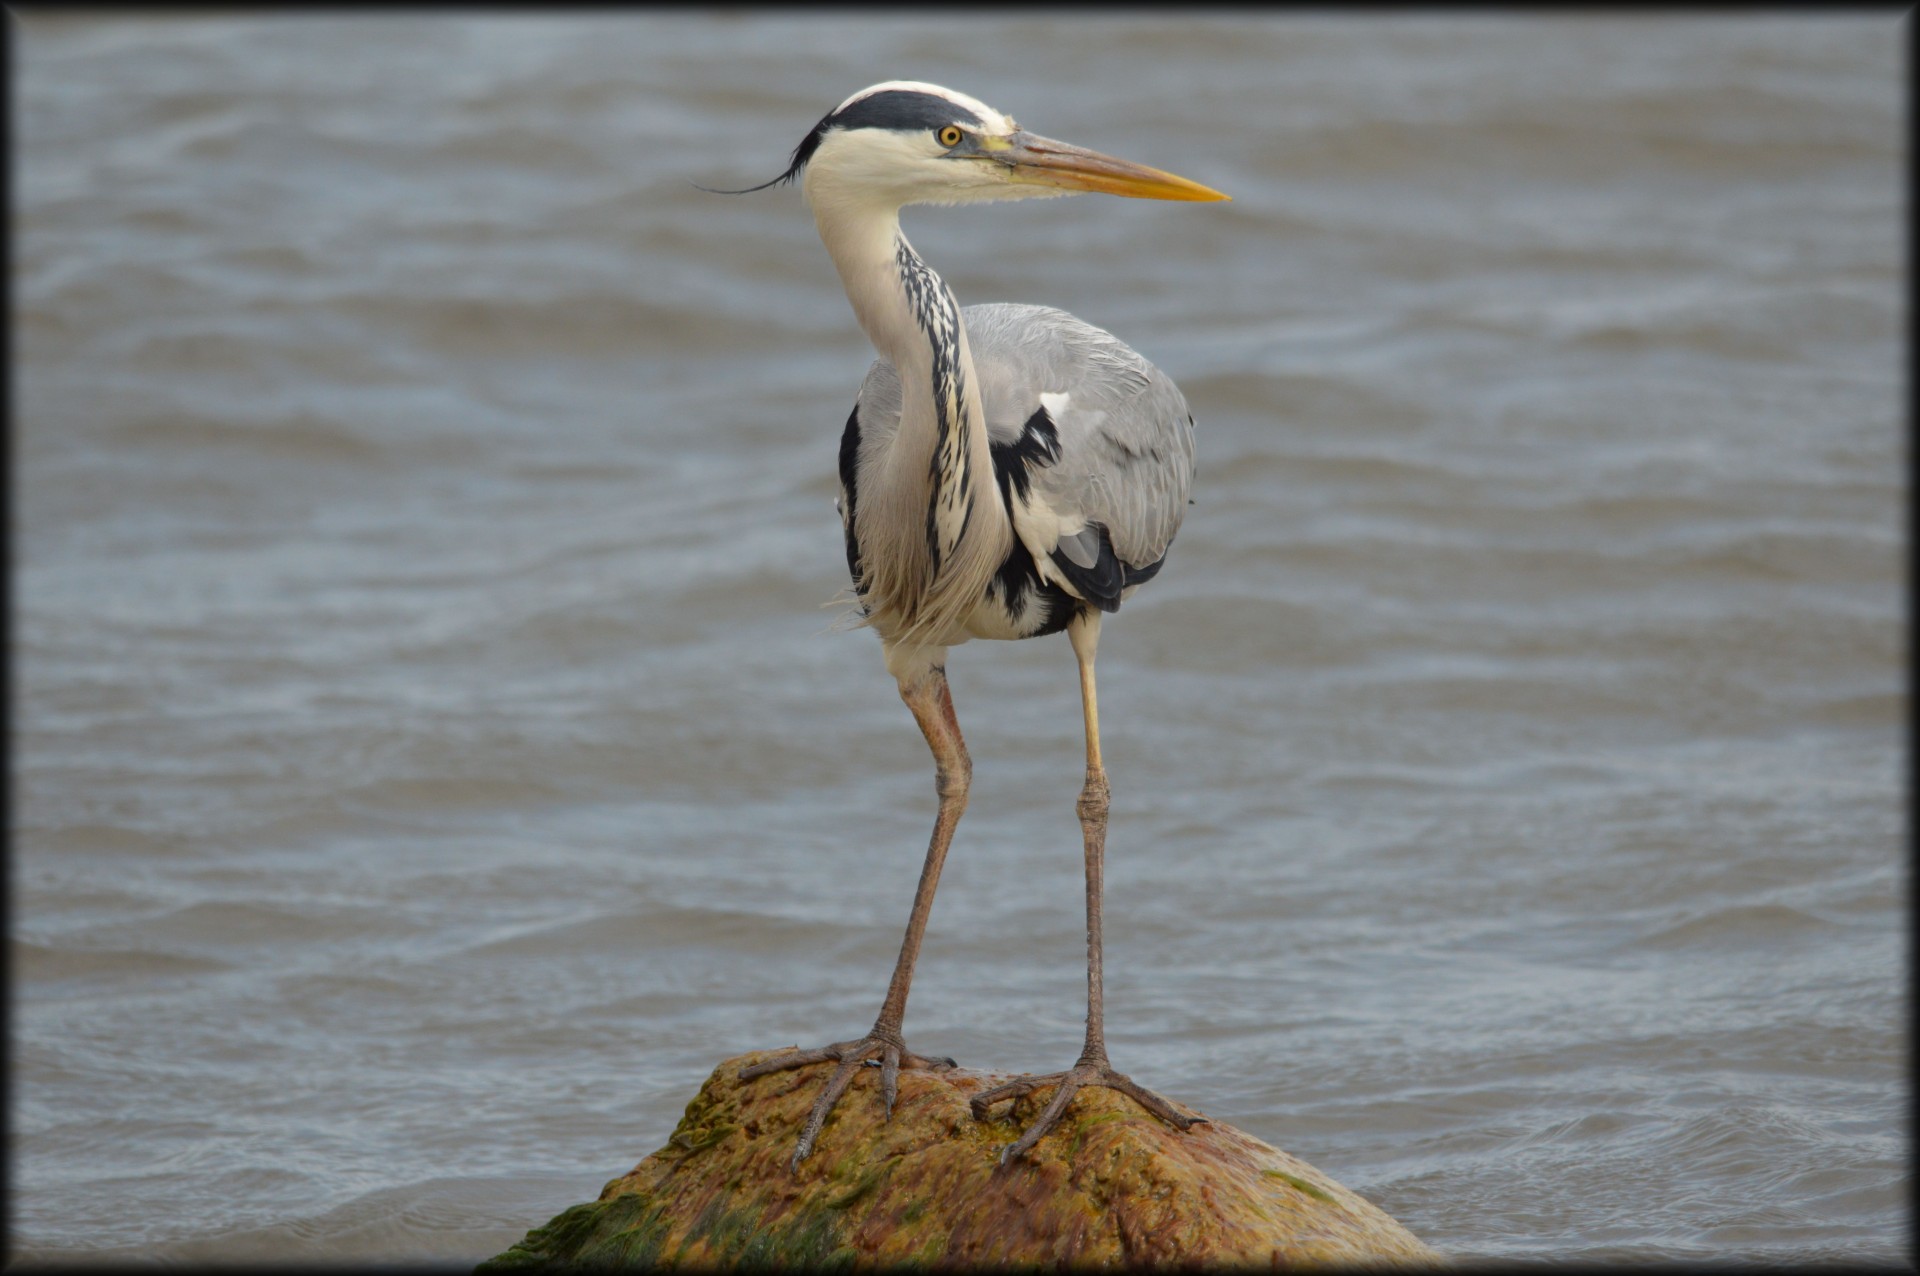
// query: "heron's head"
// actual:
[[906, 142]]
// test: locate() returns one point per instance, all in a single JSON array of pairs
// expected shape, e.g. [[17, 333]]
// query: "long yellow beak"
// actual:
[[1041, 161]]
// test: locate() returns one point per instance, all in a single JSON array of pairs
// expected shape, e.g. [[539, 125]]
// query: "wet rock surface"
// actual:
[[1110, 1186]]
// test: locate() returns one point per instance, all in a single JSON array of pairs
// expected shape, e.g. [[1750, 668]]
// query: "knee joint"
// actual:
[[1094, 798], [952, 782]]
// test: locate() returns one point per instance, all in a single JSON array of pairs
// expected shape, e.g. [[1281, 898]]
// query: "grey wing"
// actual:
[[1115, 474]]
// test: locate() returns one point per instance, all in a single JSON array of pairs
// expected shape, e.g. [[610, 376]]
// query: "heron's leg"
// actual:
[[926, 694], [1092, 1067]]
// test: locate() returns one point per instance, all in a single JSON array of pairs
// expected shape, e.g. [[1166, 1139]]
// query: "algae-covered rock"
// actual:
[[1109, 1186]]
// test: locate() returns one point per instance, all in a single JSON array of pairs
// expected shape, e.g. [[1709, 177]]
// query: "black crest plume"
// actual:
[[801, 154]]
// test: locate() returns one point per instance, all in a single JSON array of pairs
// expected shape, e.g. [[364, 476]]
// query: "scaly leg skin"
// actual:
[[1092, 1068], [923, 685]]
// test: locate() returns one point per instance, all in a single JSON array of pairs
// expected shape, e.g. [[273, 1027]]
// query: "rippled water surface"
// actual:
[[432, 753]]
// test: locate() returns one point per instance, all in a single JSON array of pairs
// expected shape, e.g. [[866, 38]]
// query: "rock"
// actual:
[[1109, 1185]]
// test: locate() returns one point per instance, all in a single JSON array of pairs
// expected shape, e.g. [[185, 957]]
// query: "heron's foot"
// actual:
[[882, 1048], [1094, 1072]]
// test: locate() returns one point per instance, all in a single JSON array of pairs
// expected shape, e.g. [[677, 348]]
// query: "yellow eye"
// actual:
[[950, 135]]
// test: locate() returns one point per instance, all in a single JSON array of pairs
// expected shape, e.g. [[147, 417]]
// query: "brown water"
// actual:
[[431, 754]]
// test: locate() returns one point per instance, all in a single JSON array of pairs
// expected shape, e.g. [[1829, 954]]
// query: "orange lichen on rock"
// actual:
[[1111, 1186]]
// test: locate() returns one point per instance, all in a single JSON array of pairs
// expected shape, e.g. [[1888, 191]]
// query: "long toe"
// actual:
[[829, 1095], [889, 1078], [882, 1049], [1018, 1087], [1067, 1084], [1049, 1116], [1151, 1101], [792, 1059]]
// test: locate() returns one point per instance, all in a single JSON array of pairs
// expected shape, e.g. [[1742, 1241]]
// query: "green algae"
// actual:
[[808, 1241], [701, 1138], [627, 1231], [630, 1231], [1295, 1180], [932, 1250], [862, 1187]]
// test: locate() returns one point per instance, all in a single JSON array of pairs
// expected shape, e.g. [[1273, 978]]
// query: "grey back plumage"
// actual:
[[1123, 432]]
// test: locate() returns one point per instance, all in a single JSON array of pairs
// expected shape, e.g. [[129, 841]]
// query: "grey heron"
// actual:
[[1008, 471]]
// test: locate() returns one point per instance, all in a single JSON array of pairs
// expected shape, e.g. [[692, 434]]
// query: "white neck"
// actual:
[[862, 238], [925, 571]]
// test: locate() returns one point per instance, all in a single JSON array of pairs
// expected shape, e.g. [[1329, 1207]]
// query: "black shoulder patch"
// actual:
[[1038, 443]]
